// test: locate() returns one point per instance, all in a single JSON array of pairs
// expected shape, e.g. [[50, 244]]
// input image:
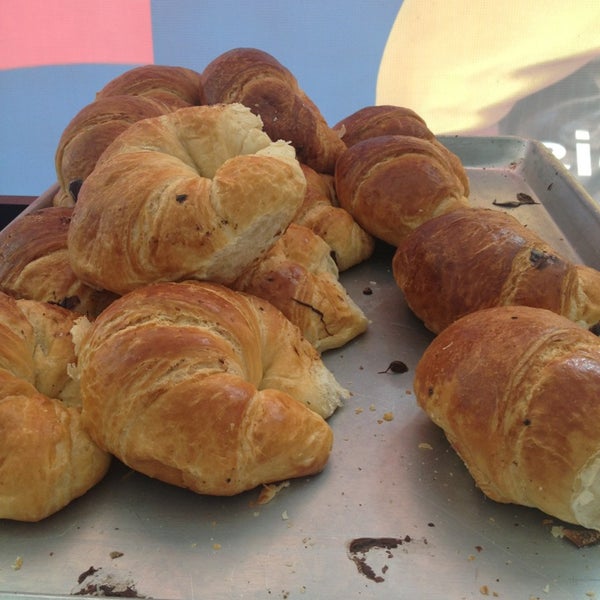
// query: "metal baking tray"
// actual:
[[394, 514]]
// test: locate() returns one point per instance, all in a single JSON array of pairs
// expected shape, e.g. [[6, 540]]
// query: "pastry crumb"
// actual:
[[269, 491], [557, 531]]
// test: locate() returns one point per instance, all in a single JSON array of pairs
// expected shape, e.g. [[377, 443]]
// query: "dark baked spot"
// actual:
[[74, 187], [540, 259]]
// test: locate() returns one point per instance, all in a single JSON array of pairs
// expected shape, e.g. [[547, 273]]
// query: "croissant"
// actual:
[[90, 132], [516, 390], [175, 87], [198, 193], [350, 244], [34, 263], [391, 184], [477, 258], [386, 119], [206, 388], [46, 457], [299, 276], [258, 80]]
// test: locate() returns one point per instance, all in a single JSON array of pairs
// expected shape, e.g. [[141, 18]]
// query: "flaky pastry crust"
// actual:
[[46, 457], [391, 184], [199, 193], [34, 263], [299, 276], [206, 388], [258, 80], [477, 258], [516, 391]]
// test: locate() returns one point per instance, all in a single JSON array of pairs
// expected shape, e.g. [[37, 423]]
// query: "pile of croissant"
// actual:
[[185, 282]]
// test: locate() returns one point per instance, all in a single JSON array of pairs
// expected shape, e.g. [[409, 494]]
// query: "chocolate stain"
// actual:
[[358, 548], [93, 582]]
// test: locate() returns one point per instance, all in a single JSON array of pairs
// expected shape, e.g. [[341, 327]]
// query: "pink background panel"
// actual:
[[39, 32]]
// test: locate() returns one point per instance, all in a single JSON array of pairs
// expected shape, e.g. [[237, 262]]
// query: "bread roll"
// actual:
[[299, 276], [258, 80], [199, 193], [46, 457], [391, 184], [477, 258], [206, 388], [90, 132], [175, 87], [516, 390], [350, 244], [34, 263]]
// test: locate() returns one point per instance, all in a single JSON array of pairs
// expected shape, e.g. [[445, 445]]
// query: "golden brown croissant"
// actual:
[[299, 276], [89, 133], [259, 81], [478, 258], [320, 212], [173, 86], [386, 119], [198, 193], [206, 388], [46, 457], [34, 263], [391, 184], [516, 391]]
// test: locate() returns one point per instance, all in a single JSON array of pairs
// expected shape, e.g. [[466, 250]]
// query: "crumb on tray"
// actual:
[[270, 490]]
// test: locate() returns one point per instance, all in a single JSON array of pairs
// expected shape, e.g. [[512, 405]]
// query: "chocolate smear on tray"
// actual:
[[358, 548], [521, 199]]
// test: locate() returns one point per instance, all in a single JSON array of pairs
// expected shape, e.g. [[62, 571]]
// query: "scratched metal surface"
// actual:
[[392, 476]]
